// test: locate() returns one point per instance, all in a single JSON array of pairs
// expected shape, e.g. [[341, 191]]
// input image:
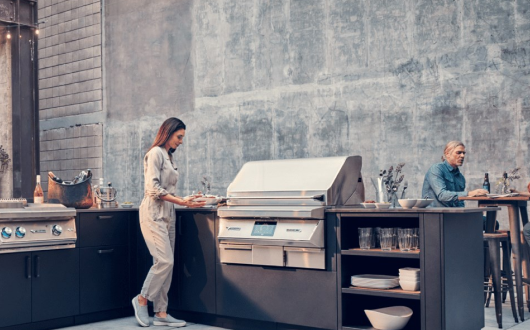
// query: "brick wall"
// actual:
[[68, 151], [69, 58], [70, 85]]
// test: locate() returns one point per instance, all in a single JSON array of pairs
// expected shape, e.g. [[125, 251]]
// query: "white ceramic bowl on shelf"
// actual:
[[382, 205], [409, 285], [405, 277], [407, 203], [389, 318]]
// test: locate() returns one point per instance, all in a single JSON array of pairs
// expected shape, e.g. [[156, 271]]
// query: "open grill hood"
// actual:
[[294, 188]]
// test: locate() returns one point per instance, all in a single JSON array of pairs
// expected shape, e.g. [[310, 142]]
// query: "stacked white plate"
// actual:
[[375, 281], [409, 279]]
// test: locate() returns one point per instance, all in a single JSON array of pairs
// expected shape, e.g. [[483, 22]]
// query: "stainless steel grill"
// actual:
[[276, 210], [31, 227]]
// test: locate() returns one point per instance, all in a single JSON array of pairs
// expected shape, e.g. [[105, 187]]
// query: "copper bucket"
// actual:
[[77, 195]]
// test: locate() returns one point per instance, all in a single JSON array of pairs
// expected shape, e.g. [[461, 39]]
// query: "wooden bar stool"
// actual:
[[494, 241]]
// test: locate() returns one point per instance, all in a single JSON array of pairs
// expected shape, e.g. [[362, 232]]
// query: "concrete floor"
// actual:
[[129, 323]]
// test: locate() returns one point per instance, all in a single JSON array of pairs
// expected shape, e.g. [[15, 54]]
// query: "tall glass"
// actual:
[[415, 239], [405, 238], [365, 238], [386, 236]]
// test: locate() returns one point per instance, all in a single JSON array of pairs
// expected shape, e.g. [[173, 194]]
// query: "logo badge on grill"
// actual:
[[38, 231], [233, 228], [294, 230]]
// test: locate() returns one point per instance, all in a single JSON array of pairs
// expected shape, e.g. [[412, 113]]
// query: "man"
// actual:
[[444, 183]]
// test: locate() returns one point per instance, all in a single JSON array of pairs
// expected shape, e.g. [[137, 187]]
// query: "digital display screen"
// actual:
[[263, 228]]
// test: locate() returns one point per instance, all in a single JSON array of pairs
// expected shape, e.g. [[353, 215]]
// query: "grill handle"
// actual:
[[37, 266], [28, 267], [104, 216], [317, 197]]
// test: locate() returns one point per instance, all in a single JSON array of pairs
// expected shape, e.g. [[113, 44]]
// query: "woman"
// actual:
[[157, 221]]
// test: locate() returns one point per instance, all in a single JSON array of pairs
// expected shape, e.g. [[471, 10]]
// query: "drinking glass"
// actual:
[[415, 239], [386, 236], [405, 238], [394, 238], [365, 238], [375, 237]]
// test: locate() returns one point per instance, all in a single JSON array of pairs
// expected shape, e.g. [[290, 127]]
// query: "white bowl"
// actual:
[[382, 205], [127, 206], [389, 318], [368, 205], [210, 200], [409, 270], [409, 285], [409, 277], [407, 203], [421, 203]]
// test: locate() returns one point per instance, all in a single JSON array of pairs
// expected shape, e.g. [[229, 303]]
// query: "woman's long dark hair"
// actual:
[[168, 127]]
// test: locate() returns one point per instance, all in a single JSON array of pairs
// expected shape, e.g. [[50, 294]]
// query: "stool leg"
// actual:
[[496, 275], [508, 270]]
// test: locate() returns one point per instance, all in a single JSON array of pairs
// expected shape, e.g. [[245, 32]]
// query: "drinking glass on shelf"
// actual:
[[386, 235], [405, 238], [365, 238], [415, 239], [394, 238], [375, 237]]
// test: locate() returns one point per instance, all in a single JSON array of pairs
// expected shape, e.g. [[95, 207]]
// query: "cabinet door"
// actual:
[[55, 285], [103, 228], [196, 261], [15, 280], [104, 278]]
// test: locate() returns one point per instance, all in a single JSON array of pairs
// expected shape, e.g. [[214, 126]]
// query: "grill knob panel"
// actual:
[[6, 232], [57, 230], [20, 232]]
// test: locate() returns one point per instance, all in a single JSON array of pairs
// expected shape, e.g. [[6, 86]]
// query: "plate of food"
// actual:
[[127, 205], [208, 199], [368, 204]]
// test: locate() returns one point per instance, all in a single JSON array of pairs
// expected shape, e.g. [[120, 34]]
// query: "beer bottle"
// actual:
[[486, 183]]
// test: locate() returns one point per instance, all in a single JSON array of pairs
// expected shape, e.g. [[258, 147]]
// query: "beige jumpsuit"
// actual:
[[157, 221]]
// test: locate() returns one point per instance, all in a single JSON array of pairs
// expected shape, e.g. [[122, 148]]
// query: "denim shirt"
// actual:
[[444, 184]]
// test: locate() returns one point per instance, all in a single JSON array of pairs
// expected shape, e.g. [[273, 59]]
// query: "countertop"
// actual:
[[413, 210]]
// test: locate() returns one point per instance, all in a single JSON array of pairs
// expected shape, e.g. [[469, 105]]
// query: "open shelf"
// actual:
[[381, 253], [392, 293]]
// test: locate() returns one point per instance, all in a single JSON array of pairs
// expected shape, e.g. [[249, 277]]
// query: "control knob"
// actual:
[[6, 232], [20, 232], [57, 230]]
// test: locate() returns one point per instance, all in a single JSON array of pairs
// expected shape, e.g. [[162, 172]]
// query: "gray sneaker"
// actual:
[[169, 320], [141, 313]]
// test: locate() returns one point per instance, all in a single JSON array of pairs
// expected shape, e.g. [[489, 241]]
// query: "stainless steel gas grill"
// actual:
[[275, 215], [33, 227]]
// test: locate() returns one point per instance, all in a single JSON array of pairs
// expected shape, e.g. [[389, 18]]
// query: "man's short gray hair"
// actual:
[[450, 146]]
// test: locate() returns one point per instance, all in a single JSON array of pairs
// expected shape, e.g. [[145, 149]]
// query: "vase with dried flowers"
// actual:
[[392, 180], [503, 184]]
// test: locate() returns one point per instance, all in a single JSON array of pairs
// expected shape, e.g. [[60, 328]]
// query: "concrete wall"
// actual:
[[6, 122], [392, 81]]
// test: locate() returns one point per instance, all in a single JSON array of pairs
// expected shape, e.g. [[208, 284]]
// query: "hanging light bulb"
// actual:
[[37, 31], [8, 36]]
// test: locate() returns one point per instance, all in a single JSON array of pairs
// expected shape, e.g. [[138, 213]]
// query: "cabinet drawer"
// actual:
[[104, 278], [105, 228]]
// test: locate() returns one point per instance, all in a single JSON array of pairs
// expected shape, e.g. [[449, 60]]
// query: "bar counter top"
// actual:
[[412, 210]]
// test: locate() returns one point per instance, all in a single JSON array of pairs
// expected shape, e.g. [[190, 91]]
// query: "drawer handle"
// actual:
[[104, 216], [105, 251]]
